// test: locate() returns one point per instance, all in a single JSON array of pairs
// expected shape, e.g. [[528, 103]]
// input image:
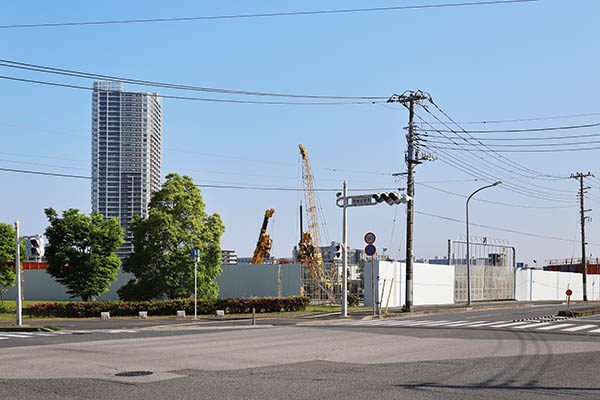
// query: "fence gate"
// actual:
[[492, 265]]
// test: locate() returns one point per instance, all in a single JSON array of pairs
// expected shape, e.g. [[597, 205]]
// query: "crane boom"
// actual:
[[264, 243], [311, 207]]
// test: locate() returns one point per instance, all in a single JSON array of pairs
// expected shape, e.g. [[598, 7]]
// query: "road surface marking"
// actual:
[[547, 328], [509, 324], [488, 323], [579, 328], [12, 335], [465, 323], [534, 325]]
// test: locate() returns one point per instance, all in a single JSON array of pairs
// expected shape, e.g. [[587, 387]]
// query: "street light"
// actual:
[[468, 255]]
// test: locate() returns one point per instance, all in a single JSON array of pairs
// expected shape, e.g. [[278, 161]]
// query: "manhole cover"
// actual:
[[134, 373]]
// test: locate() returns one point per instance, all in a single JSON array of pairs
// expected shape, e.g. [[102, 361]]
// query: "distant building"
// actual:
[[228, 257], [126, 153]]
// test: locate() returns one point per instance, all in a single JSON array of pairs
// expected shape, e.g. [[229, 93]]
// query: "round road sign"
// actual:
[[370, 249], [370, 238], [569, 292]]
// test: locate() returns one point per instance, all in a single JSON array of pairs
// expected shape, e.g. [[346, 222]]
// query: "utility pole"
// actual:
[[582, 217], [413, 157]]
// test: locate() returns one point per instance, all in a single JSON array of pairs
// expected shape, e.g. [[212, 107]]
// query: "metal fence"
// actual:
[[492, 265]]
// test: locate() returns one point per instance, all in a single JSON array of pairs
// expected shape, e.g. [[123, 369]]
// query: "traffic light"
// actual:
[[391, 198], [34, 247], [336, 250]]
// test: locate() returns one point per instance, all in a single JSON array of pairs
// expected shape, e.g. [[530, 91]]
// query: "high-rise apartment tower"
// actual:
[[126, 153]]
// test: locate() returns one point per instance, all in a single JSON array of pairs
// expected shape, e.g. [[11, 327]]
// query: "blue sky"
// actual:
[[478, 63]]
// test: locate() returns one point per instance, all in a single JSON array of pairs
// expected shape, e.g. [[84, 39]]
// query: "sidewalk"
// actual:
[[278, 318]]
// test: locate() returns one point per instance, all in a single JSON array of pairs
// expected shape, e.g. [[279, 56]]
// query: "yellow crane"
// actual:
[[264, 244], [309, 248]]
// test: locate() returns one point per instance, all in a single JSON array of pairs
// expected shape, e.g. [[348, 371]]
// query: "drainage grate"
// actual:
[[134, 373]]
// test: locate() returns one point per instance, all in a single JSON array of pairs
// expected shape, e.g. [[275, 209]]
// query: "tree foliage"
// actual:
[[176, 224], [81, 251], [7, 255]]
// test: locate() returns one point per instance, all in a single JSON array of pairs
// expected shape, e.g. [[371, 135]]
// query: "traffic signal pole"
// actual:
[[345, 254]]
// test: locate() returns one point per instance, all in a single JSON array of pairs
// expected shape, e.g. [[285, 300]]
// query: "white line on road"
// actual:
[[9, 335], [534, 325], [509, 324], [441, 323], [551, 327], [579, 328], [488, 323], [465, 323]]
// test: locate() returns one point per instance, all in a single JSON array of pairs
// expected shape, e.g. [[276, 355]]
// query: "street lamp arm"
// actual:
[[468, 244], [481, 188]]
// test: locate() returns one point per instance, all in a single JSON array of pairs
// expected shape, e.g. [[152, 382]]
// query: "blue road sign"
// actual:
[[370, 249]]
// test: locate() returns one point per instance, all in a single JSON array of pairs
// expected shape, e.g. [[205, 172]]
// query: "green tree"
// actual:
[[7, 256], [176, 224], [81, 251]]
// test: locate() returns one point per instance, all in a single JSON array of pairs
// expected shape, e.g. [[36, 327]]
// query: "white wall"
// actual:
[[432, 284], [535, 285]]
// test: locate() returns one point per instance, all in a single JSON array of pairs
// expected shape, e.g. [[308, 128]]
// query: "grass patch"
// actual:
[[51, 327]]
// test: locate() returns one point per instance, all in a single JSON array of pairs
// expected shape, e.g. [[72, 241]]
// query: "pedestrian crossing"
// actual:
[[30, 335], [553, 326]]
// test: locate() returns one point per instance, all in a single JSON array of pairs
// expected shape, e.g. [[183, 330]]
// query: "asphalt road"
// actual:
[[412, 357]]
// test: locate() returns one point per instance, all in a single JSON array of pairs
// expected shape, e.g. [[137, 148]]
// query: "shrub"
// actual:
[[87, 309]]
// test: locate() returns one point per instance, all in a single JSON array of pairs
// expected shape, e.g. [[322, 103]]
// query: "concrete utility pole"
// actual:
[[408, 99], [582, 217]]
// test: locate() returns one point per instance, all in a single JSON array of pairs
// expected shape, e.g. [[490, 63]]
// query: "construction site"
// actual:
[[320, 275]]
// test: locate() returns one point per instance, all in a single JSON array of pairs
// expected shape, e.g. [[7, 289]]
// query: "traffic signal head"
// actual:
[[336, 250], [391, 198], [35, 247]]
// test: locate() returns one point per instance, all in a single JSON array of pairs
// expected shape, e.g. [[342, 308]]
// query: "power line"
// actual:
[[89, 75], [22, 171], [264, 15], [240, 187], [463, 165], [518, 139], [490, 201], [551, 128], [503, 229], [505, 121], [519, 151], [500, 157], [193, 98]]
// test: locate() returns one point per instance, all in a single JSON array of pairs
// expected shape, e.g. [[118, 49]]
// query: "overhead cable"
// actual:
[[89, 75], [503, 229], [194, 98], [265, 15]]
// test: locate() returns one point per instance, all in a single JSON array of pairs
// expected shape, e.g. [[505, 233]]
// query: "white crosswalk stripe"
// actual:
[[579, 328], [543, 325], [488, 323], [29, 335], [552, 327], [534, 325]]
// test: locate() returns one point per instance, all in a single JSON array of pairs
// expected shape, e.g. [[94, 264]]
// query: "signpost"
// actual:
[[370, 250], [195, 254], [569, 293]]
